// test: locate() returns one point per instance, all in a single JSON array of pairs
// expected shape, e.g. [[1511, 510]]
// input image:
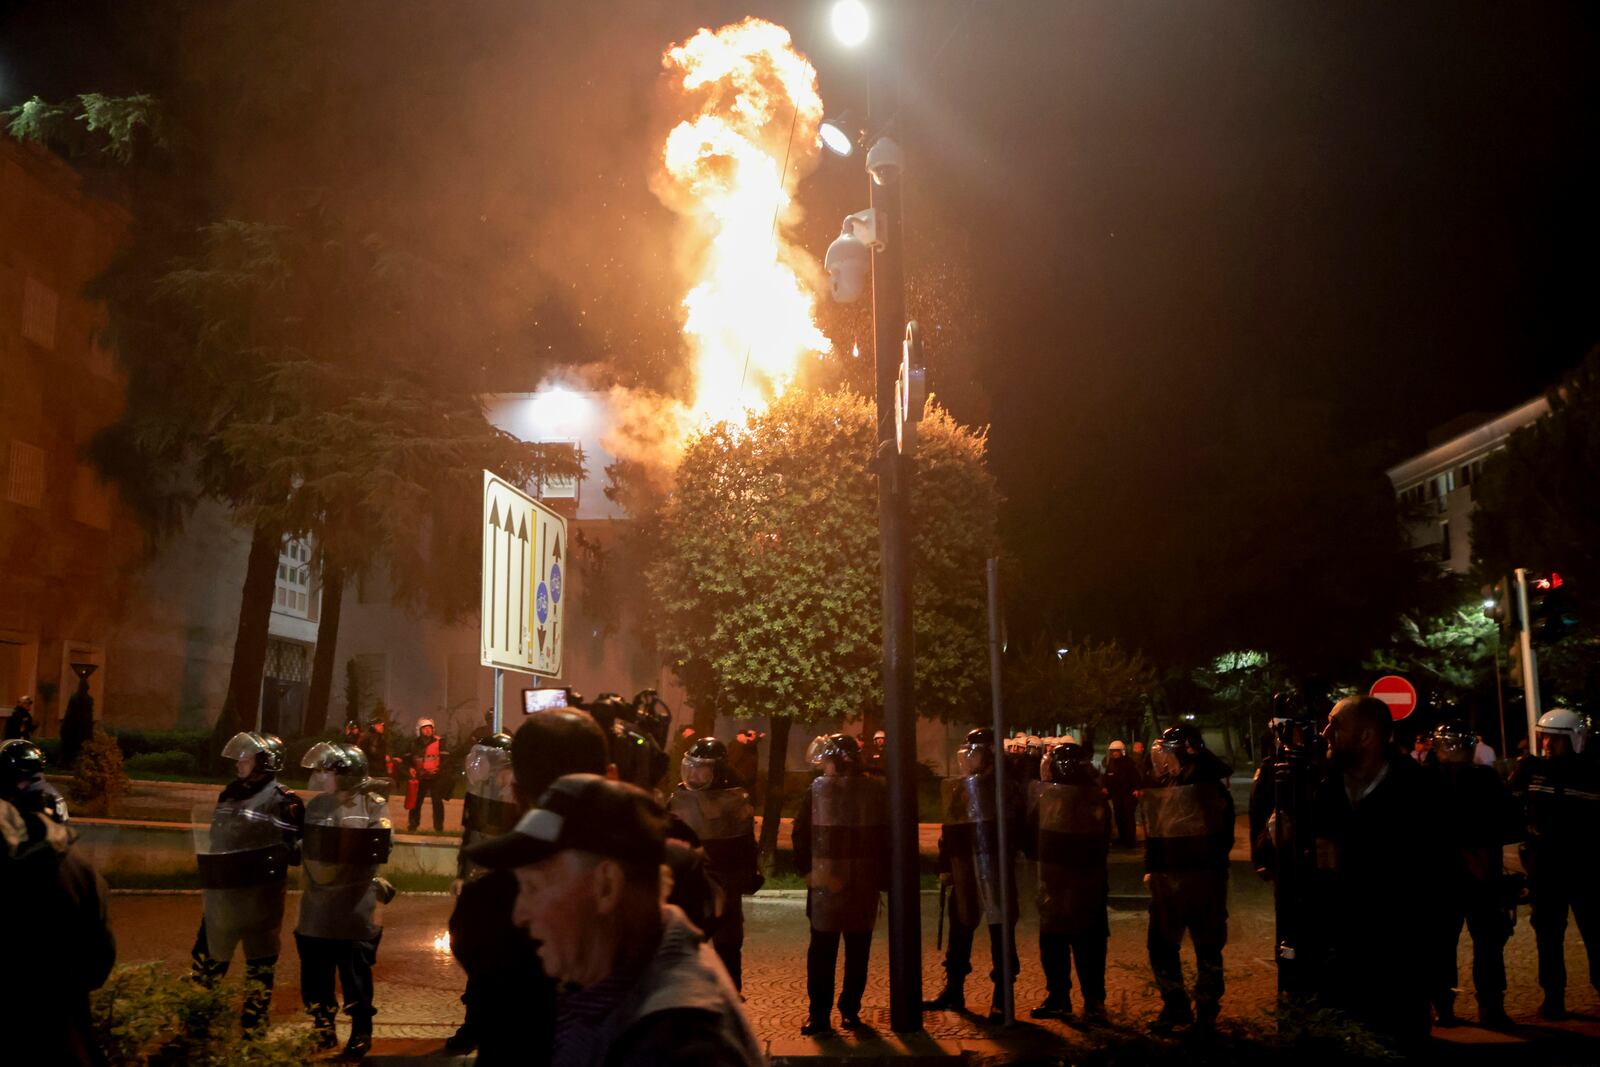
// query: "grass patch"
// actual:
[[418, 882]]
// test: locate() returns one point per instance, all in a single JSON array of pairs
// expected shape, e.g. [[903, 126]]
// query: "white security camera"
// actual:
[[885, 160], [849, 266], [849, 258]]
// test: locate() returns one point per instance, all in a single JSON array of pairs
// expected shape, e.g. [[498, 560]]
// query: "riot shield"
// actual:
[[490, 806], [347, 838], [1074, 837], [243, 858], [715, 814], [972, 843], [849, 827], [1184, 825]]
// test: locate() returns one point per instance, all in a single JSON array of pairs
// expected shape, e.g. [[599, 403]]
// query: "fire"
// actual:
[[749, 112]]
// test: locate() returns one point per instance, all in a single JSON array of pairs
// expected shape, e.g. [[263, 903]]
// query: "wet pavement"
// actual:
[[419, 983]]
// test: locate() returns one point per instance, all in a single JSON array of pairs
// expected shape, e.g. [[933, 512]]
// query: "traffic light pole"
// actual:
[[1530, 666]]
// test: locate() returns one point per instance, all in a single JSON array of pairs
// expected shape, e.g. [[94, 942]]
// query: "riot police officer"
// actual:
[[1188, 834], [1559, 790], [347, 838], [718, 810], [58, 942], [970, 862], [246, 843], [490, 806], [841, 846], [1069, 836], [1478, 821]]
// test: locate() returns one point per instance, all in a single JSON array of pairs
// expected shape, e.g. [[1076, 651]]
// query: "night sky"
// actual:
[[1204, 240]]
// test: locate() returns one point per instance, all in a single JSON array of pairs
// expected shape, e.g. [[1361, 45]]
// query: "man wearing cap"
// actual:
[[20, 724], [644, 987]]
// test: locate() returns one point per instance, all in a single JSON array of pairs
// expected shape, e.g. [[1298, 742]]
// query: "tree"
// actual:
[[1535, 507], [1091, 685], [766, 587]]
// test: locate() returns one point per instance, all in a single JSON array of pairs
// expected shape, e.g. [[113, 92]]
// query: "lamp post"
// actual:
[[885, 238]]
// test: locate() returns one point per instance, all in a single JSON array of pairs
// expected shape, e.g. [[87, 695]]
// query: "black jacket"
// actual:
[[60, 936]]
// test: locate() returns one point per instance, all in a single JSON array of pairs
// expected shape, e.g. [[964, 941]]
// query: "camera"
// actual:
[[885, 161]]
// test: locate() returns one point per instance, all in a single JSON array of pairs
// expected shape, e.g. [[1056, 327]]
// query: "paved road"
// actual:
[[418, 982]]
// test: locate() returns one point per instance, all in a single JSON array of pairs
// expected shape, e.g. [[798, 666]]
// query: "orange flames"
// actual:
[[748, 133]]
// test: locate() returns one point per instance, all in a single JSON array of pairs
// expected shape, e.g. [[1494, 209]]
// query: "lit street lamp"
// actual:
[[851, 22]]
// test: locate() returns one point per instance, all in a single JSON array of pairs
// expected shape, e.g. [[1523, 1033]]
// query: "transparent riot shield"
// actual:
[[715, 814], [347, 838], [849, 828], [243, 857], [972, 838]]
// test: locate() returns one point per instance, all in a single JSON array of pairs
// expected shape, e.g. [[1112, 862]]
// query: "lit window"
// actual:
[[39, 305], [25, 474], [293, 592]]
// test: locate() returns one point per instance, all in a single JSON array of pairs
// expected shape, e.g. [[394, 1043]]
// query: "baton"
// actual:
[[938, 942]]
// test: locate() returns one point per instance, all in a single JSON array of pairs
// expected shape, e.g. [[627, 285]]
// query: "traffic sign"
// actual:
[[524, 556], [1399, 694]]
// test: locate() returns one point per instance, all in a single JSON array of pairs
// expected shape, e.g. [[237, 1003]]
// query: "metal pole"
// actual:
[[1007, 933], [499, 712], [1500, 696], [899, 712], [1530, 667]]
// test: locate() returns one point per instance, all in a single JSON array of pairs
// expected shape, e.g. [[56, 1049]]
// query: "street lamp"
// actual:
[[878, 232], [851, 22]]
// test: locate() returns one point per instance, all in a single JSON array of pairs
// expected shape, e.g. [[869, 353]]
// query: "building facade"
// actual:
[[1436, 485]]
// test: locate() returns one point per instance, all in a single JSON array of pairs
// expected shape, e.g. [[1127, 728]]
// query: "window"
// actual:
[[372, 682], [25, 474], [91, 498], [39, 305], [292, 594], [557, 488]]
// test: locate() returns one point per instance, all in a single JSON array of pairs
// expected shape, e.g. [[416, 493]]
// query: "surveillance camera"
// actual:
[[849, 266], [885, 160]]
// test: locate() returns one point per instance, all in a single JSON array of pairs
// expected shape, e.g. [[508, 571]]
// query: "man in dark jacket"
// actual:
[[1376, 832], [1188, 834], [1478, 821], [20, 723], [645, 988], [1123, 781], [63, 949], [509, 998]]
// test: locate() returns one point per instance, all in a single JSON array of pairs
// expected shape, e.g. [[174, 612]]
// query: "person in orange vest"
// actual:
[[427, 759]]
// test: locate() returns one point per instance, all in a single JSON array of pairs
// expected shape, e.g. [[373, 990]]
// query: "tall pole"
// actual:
[[499, 711], [1008, 933], [1530, 667], [899, 713]]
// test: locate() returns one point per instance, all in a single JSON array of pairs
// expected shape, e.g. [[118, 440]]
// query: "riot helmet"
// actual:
[[1562, 723], [254, 753], [335, 766], [352, 727], [1174, 749], [841, 750], [704, 763], [1454, 743], [20, 761], [1067, 763], [976, 754]]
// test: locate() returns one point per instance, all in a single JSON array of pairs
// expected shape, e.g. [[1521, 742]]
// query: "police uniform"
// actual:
[[1188, 834], [724, 821], [1069, 836], [840, 839], [249, 840]]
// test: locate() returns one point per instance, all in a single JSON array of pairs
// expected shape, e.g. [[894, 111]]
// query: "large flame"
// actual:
[[749, 132]]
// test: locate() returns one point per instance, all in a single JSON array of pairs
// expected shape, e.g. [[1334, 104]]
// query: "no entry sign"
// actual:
[[1399, 694]]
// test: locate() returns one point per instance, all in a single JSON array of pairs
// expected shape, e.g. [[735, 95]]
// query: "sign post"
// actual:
[[1399, 694], [524, 562]]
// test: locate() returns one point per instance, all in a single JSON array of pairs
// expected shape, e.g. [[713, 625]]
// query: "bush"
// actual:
[[98, 776], [197, 743], [147, 1015], [171, 762]]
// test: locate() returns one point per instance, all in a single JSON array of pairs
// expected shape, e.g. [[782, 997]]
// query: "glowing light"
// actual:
[[851, 22], [558, 410], [836, 140], [751, 105], [441, 943]]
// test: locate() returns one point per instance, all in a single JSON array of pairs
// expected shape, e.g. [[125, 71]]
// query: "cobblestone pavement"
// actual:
[[418, 982]]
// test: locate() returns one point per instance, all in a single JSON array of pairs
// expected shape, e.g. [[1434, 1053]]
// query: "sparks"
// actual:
[[749, 132]]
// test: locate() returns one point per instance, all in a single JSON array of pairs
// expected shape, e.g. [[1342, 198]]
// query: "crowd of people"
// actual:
[[598, 917]]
